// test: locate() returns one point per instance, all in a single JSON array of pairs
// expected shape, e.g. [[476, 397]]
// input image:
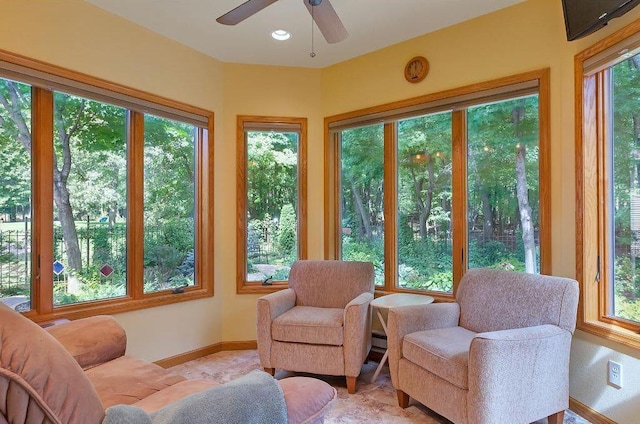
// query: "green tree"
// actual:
[[287, 230]]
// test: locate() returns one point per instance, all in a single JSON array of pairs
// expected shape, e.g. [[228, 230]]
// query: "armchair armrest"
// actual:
[[403, 320], [270, 307], [516, 367], [91, 341], [357, 333]]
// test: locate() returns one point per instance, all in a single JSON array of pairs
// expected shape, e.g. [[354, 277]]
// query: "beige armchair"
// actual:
[[499, 354], [322, 323]]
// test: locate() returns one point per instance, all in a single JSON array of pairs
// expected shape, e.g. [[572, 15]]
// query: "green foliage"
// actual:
[[287, 230], [14, 291], [272, 167], [281, 274]]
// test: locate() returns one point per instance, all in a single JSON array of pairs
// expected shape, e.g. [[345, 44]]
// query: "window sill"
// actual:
[[258, 288], [611, 332], [119, 305]]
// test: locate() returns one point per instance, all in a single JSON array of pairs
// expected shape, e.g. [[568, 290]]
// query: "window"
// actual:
[[503, 185], [424, 203], [272, 208], [169, 204], [608, 186], [427, 187], [15, 194], [362, 233], [103, 208], [89, 192]]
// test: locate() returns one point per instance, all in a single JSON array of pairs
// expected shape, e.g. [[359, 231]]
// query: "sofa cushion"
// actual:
[[307, 324], [39, 380], [173, 393], [127, 380], [91, 341], [443, 352]]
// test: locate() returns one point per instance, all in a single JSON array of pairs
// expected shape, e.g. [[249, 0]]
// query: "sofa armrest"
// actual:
[[270, 307], [357, 333], [91, 341], [403, 320], [518, 367]]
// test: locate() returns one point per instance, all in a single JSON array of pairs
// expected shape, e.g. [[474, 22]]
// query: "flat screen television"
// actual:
[[582, 17]]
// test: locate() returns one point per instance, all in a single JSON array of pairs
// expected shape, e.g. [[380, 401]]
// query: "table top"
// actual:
[[400, 299]]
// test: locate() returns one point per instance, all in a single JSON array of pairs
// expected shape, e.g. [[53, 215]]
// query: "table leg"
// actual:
[[386, 352]]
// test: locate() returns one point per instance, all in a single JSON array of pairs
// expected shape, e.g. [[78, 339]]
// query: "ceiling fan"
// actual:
[[321, 11]]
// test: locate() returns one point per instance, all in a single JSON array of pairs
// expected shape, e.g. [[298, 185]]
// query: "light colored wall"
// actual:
[[267, 91], [521, 38], [78, 36]]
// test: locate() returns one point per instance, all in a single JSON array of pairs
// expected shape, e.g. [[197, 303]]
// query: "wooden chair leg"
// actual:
[[351, 385], [557, 418], [271, 371], [403, 399]]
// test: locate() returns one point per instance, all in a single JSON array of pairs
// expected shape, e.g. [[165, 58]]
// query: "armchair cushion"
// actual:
[[323, 283], [443, 352], [306, 324]]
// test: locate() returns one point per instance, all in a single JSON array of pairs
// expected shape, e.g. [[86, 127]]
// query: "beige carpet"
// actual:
[[372, 402]]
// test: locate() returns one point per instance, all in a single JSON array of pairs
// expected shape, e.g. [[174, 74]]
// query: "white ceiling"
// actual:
[[372, 25]]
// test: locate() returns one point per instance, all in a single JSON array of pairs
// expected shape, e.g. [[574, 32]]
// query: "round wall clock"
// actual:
[[416, 69]]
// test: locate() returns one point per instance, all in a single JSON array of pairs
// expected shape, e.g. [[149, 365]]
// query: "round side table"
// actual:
[[387, 302]]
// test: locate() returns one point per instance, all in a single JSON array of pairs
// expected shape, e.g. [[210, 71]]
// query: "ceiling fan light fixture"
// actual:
[[280, 35]]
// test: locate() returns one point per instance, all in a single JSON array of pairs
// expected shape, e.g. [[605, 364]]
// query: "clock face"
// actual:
[[416, 69]]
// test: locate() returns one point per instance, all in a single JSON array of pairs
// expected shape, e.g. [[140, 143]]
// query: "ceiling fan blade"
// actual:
[[243, 11], [328, 21]]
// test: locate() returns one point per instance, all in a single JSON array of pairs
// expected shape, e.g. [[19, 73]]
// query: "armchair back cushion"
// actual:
[[493, 300], [321, 284], [39, 381]]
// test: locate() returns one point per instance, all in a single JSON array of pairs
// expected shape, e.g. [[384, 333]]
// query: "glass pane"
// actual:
[[15, 195], [272, 204], [502, 184], [89, 193], [362, 197], [424, 203], [169, 204], [624, 230]]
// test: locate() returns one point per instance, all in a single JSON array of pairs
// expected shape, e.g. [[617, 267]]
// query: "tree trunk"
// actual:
[[65, 215], [526, 220], [364, 216]]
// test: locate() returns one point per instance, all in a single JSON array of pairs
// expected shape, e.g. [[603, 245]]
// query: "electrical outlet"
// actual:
[[615, 374]]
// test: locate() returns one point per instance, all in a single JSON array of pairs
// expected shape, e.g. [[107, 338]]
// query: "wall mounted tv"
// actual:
[[582, 17]]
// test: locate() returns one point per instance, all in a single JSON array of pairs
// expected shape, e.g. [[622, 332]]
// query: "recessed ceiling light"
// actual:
[[280, 35]]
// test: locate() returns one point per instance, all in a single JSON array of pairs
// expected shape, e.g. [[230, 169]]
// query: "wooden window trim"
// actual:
[[42, 188], [592, 196], [459, 136], [242, 285]]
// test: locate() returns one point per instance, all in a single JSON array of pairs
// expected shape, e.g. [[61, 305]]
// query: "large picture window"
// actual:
[[103, 208], [442, 183], [272, 204], [608, 186]]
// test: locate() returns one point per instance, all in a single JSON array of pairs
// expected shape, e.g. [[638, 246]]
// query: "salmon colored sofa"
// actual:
[[71, 373]]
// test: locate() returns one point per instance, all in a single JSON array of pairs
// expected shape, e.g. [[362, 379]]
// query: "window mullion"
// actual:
[[42, 191], [459, 196], [135, 204], [302, 191], [390, 206]]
